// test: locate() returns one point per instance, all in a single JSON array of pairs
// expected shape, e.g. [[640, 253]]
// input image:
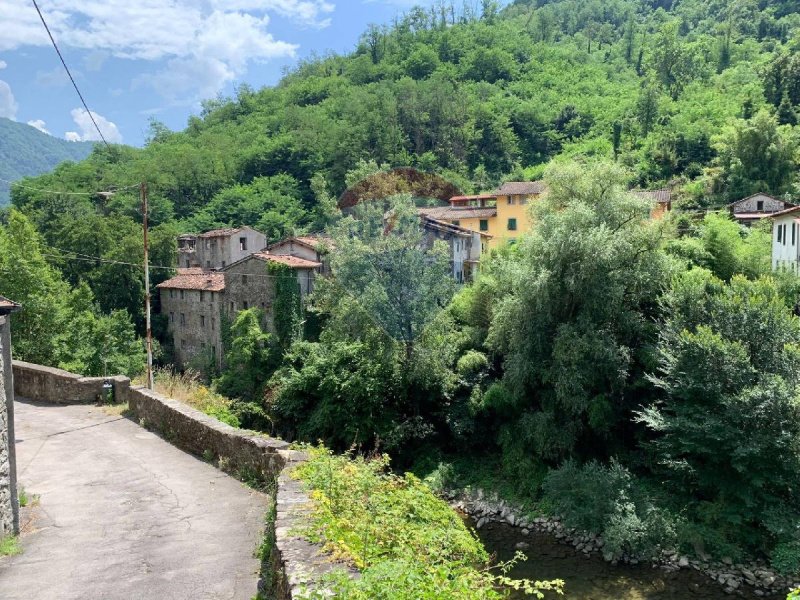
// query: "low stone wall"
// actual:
[[48, 384]]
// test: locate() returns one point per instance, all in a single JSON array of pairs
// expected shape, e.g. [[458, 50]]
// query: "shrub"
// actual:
[[408, 543], [189, 389], [608, 500]]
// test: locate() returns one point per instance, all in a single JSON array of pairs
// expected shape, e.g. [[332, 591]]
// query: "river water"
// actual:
[[594, 579]]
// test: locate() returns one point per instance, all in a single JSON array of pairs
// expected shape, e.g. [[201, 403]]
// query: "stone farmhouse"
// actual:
[[9, 504], [198, 300], [218, 248], [756, 207], [660, 201]]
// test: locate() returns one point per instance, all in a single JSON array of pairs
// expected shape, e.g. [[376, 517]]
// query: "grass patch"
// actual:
[[10, 546], [407, 543], [117, 410], [190, 389]]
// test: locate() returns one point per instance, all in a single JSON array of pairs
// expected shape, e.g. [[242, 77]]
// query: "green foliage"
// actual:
[[728, 427], [10, 546], [572, 315], [287, 306], [406, 542], [250, 358], [608, 500], [60, 326]]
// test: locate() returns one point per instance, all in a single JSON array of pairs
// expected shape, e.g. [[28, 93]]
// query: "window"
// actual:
[[510, 200], [233, 306], [244, 304], [187, 263], [243, 244], [183, 319], [213, 325], [794, 225], [512, 224], [759, 205], [208, 264], [172, 293], [483, 225], [780, 232], [202, 320], [214, 351], [183, 343], [523, 199], [201, 295], [244, 279], [172, 317], [181, 294], [784, 234]]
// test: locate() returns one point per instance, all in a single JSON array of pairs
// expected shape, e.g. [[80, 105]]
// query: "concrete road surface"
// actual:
[[122, 514]]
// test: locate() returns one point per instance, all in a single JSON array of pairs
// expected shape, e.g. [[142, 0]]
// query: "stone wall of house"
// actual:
[[9, 507], [48, 384], [195, 324], [248, 285], [750, 205]]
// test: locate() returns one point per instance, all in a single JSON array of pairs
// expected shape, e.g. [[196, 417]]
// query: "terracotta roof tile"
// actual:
[[7, 306], [195, 279], [521, 188], [312, 241], [285, 259], [449, 213], [223, 232], [661, 196]]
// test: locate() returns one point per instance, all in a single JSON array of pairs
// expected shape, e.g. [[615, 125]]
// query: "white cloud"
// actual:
[[55, 77], [40, 125], [226, 34], [87, 129], [3, 64], [8, 106]]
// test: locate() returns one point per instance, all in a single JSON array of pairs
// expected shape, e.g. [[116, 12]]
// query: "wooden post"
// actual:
[[147, 291]]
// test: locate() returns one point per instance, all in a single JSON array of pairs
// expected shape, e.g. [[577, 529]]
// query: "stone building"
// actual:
[[218, 248], [660, 201], [756, 207], [316, 248], [465, 246], [197, 301], [9, 502], [193, 301]]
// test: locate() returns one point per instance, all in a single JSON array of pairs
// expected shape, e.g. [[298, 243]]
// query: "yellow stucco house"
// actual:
[[502, 214]]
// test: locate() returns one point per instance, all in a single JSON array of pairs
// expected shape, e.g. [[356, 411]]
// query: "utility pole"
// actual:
[[150, 386]]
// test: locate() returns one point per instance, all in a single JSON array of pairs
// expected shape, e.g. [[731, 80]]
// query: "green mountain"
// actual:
[[25, 151]]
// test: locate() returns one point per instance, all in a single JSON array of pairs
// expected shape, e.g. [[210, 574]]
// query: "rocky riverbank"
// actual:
[[733, 577]]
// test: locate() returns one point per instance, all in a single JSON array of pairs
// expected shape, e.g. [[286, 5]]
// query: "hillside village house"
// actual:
[[316, 248], [501, 214], [660, 201], [197, 300], [9, 505], [218, 248], [465, 246], [786, 240], [756, 207]]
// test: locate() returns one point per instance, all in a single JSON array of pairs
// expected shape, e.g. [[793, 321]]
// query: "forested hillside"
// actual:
[[25, 152]]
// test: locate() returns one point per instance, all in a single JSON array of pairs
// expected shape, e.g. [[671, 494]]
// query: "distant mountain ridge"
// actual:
[[25, 151]]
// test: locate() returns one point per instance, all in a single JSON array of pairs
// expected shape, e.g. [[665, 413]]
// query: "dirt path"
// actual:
[[122, 514]]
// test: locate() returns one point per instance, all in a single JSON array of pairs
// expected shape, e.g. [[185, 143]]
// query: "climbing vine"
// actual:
[[287, 307]]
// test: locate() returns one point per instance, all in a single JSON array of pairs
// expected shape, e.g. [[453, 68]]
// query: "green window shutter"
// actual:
[[512, 224]]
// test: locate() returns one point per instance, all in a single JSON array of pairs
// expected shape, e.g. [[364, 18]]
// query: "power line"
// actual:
[[71, 78]]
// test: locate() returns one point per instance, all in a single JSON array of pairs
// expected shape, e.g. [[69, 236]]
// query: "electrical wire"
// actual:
[[71, 78]]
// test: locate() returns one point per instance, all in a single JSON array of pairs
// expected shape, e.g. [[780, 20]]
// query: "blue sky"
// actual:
[[134, 59]]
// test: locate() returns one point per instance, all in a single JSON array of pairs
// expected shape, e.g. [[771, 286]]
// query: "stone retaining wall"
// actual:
[[294, 565], [48, 384]]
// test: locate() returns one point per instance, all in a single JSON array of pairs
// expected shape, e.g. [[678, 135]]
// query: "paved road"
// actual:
[[124, 515]]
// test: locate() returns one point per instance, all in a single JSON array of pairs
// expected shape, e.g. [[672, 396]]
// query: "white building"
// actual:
[[786, 240]]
